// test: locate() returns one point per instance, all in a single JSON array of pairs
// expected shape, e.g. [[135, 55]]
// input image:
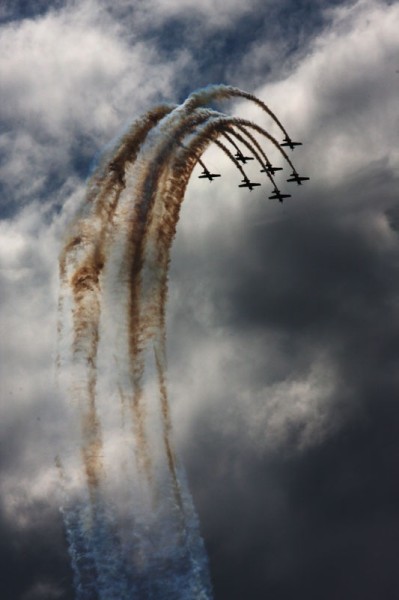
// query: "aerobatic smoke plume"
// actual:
[[130, 522]]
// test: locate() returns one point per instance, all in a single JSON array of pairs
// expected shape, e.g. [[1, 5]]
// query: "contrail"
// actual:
[[130, 522]]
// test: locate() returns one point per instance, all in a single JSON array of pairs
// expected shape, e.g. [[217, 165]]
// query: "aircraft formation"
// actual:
[[267, 168]]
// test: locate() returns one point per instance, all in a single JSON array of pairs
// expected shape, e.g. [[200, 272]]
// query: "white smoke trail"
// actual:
[[131, 526]]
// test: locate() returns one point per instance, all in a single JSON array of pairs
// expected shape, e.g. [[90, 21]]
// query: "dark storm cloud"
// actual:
[[34, 559], [322, 524], [33, 549], [314, 259]]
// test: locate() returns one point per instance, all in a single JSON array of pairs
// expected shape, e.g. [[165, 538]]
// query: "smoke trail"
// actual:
[[131, 525]]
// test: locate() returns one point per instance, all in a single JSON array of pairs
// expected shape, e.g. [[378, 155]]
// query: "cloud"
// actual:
[[70, 82], [72, 68], [282, 318]]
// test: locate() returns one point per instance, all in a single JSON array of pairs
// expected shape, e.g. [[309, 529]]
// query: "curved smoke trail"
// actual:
[[131, 525]]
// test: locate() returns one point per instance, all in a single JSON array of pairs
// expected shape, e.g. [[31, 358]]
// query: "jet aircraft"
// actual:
[[297, 178], [288, 142], [249, 184], [270, 169], [208, 175], [277, 195], [239, 156]]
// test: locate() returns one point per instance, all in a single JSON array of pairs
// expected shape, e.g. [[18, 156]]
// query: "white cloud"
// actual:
[[73, 69], [294, 414], [70, 77]]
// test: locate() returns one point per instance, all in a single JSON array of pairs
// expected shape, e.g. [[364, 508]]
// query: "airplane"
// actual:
[[239, 156], [297, 178], [277, 195], [208, 175], [270, 169], [248, 184], [287, 141]]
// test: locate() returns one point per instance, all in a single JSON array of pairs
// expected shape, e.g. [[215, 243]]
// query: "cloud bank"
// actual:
[[282, 318]]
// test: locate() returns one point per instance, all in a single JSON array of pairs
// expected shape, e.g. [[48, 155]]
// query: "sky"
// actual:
[[283, 319]]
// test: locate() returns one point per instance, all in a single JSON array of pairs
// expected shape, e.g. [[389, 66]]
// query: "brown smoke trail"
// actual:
[[252, 146], [244, 123], [201, 163], [147, 318], [250, 142], [254, 143], [231, 156], [226, 92], [255, 148], [222, 122]]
